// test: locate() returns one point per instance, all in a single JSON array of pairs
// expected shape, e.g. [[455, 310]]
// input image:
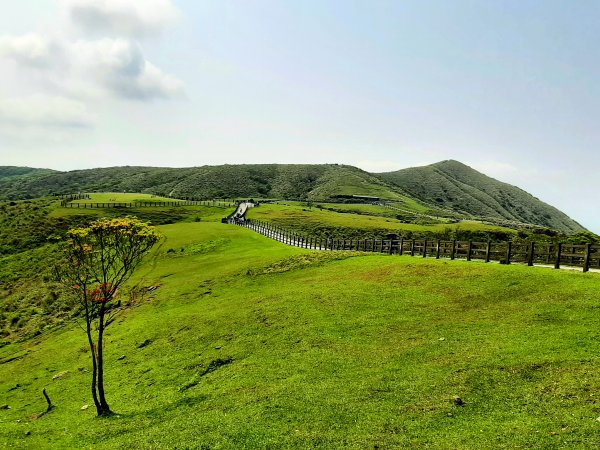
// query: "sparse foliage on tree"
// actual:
[[99, 258]]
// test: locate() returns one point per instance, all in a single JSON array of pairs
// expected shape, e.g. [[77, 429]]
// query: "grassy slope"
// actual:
[[291, 181], [454, 185], [360, 352], [346, 180], [22, 172], [29, 301], [318, 222], [449, 185], [112, 197]]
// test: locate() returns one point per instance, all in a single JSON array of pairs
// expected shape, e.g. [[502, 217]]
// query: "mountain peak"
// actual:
[[454, 185], [447, 185]]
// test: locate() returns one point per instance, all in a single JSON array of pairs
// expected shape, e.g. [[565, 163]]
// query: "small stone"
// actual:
[[553, 433], [442, 339], [450, 414], [60, 375], [458, 401], [28, 433], [145, 343], [4, 407], [84, 407], [121, 358]]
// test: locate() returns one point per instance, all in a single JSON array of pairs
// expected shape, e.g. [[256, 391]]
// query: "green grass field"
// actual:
[[300, 218], [29, 231], [253, 344], [369, 210], [156, 215], [123, 197]]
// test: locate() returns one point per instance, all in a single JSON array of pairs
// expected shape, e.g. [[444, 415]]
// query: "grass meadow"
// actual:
[[242, 342], [123, 197], [358, 221]]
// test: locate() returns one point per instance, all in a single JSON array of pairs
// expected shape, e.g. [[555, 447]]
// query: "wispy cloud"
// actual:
[[67, 73], [122, 17], [45, 111], [30, 50], [119, 67]]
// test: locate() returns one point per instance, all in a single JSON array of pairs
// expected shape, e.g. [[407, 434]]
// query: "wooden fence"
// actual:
[[585, 256], [68, 204]]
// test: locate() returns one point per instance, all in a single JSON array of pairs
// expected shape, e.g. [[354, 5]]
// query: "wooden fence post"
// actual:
[[531, 253], [401, 250], [508, 252], [412, 247], [488, 251], [424, 248], [470, 251], [390, 247], [437, 249], [586, 261], [453, 254]]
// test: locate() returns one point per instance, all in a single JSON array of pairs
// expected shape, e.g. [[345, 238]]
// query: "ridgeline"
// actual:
[[448, 188]]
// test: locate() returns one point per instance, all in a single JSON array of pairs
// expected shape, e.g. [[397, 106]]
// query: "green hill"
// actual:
[[291, 181], [15, 182], [446, 189], [453, 185], [22, 172], [243, 342]]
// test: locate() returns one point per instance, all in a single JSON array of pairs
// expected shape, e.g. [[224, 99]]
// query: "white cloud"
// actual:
[[45, 111], [109, 62], [122, 17], [51, 80], [92, 68], [29, 50], [119, 66]]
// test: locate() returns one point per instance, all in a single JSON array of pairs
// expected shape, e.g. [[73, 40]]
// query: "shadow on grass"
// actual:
[[160, 410]]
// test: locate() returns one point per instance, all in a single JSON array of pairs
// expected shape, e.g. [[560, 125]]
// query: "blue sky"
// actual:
[[508, 87]]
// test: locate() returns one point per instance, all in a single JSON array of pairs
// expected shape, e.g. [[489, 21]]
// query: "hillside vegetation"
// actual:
[[30, 302], [22, 172], [453, 185], [447, 189], [243, 342], [368, 222]]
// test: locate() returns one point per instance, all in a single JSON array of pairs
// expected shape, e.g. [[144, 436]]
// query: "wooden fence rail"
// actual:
[[552, 254], [68, 204]]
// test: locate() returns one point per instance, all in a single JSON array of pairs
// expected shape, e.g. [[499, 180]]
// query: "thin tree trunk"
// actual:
[[88, 330], [105, 409], [94, 371]]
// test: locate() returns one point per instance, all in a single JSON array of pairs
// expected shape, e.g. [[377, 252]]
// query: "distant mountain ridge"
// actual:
[[454, 185], [448, 185]]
